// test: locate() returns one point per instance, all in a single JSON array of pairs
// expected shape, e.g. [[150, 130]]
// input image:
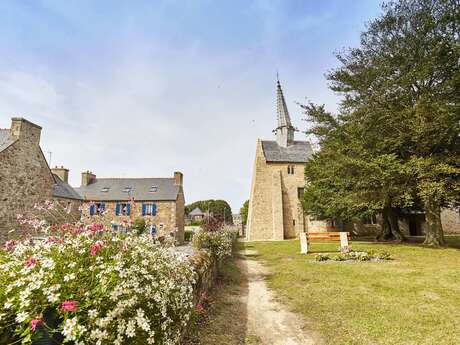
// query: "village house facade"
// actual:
[[26, 180], [275, 210], [159, 201]]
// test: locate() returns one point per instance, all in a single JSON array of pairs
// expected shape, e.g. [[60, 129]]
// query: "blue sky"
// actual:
[[144, 88]]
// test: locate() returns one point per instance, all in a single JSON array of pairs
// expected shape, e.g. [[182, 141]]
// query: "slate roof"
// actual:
[[112, 189], [298, 152], [62, 189], [5, 139], [196, 212]]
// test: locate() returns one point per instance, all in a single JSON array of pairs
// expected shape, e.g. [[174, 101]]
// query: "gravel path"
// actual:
[[267, 318]]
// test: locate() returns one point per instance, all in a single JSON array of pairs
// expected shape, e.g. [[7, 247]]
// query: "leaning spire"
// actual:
[[285, 130]]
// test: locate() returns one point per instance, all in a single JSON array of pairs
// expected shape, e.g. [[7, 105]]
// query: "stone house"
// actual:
[[196, 214], [275, 210], [27, 180], [160, 201]]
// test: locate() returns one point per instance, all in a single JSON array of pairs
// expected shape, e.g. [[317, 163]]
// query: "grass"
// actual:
[[413, 299], [224, 322]]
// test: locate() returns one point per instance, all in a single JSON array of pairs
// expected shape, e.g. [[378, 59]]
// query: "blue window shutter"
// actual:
[[91, 210], [143, 209], [103, 207], [128, 209], [117, 209], [154, 209]]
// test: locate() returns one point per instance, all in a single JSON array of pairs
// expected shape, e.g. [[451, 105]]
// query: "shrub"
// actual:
[[94, 287], [188, 235], [219, 243], [139, 226]]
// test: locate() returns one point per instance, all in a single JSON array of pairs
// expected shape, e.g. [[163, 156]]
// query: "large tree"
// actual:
[[401, 91]]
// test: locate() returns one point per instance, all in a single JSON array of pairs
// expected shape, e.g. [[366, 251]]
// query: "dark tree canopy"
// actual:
[[396, 140], [218, 209]]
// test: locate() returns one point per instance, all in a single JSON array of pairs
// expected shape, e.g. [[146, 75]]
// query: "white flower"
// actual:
[[70, 329], [21, 317], [92, 313], [69, 277], [8, 304], [131, 329], [53, 297]]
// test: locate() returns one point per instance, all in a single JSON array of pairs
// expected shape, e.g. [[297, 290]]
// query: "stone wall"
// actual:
[[275, 211], [165, 219], [25, 177], [450, 219]]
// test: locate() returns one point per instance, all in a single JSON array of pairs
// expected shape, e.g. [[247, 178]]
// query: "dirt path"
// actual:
[[268, 319]]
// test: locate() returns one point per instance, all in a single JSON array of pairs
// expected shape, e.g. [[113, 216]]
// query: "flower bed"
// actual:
[[89, 285], [353, 256], [90, 288]]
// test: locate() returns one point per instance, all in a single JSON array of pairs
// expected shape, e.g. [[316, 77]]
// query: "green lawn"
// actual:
[[414, 299]]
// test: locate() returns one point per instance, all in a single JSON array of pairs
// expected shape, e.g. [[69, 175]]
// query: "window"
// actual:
[[153, 189], [122, 209], [290, 169], [293, 222], [127, 189], [96, 208], [300, 192], [105, 189], [100, 208], [149, 209]]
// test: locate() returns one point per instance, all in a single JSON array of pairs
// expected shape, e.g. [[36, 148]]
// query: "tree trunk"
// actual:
[[394, 224], [389, 226], [434, 235]]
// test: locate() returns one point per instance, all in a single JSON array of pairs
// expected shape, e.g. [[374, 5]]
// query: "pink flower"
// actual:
[[34, 323], [31, 262], [69, 306], [9, 245], [199, 308], [96, 247], [96, 227], [124, 247]]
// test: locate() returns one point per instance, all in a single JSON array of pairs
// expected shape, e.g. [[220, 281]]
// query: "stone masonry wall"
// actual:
[[25, 179], [274, 207], [165, 219]]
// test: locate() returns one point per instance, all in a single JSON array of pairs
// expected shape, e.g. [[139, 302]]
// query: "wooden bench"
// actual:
[[307, 237]]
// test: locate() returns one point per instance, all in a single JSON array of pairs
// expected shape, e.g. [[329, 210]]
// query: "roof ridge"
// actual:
[[132, 178]]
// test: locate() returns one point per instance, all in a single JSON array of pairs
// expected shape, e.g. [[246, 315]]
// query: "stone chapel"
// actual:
[[275, 210]]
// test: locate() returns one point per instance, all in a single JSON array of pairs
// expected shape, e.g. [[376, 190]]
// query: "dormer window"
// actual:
[[105, 189], [127, 189], [153, 189]]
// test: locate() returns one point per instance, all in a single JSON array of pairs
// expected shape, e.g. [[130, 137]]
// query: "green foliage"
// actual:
[[354, 256], [219, 243], [396, 140], [244, 212], [188, 235], [219, 209], [139, 225]]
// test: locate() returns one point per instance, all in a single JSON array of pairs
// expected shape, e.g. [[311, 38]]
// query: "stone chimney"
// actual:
[[61, 172], [87, 177], [25, 130], [178, 178]]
